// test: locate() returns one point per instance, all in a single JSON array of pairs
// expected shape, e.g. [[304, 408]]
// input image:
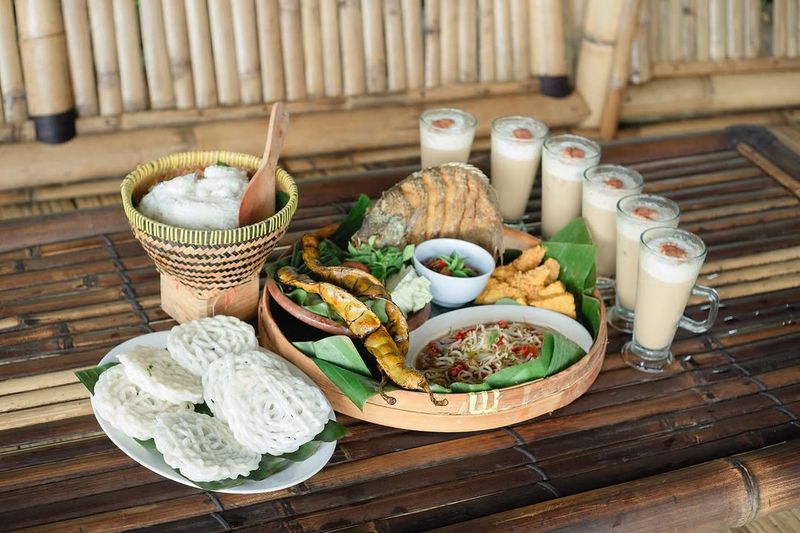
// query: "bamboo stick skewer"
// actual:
[[224, 52], [374, 47], [717, 34], [547, 46], [352, 39], [156, 59], [269, 50], [43, 50], [312, 47], [104, 46], [432, 31], [703, 43], [205, 87], [467, 41], [486, 71], [641, 71], [395, 49], [81, 64], [245, 35], [180, 63], [131, 74], [502, 40], [779, 24], [12, 85], [448, 30], [520, 52], [735, 27], [752, 29], [332, 62], [412, 42]]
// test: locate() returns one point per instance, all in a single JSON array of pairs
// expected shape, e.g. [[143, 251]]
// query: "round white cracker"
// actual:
[[127, 407], [202, 447], [198, 343], [153, 370], [268, 409]]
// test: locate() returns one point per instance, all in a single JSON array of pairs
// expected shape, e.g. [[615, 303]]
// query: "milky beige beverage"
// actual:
[[516, 151], [668, 269], [635, 214], [445, 136], [603, 186], [564, 160]]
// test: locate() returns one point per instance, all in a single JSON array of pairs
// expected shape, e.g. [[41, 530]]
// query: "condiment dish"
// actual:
[[449, 291]]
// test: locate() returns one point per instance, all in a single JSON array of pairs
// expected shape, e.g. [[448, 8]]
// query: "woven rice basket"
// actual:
[[207, 261]]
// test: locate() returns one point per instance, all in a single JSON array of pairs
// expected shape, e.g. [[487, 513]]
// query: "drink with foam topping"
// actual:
[[564, 160], [516, 151], [445, 136], [634, 215], [603, 186], [669, 262]]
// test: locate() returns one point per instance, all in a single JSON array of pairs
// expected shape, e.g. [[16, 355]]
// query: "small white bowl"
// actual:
[[449, 291]]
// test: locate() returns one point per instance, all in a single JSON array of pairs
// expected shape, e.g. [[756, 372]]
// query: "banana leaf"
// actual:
[[590, 313], [533, 369], [577, 264], [356, 387], [352, 222], [90, 376], [564, 354], [575, 232], [507, 301], [469, 387], [338, 350]]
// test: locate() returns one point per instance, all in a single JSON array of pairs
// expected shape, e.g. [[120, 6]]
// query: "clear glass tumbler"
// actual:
[[445, 136]]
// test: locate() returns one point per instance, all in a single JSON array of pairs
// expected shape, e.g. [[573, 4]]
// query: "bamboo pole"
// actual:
[[779, 23], [520, 56], [792, 28], [735, 27], [81, 64], [548, 46], [752, 29], [104, 46], [717, 34], [374, 46], [448, 30], [486, 71], [502, 40], [292, 45], [654, 30], [131, 74], [224, 51], [205, 87], [352, 40], [688, 48], [412, 42], [641, 71], [332, 62], [663, 17], [156, 59], [467, 41], [395, 49], [312, 47], [432, 43], [676, 15], [180, 62], [269, 49], [45, 66], [703, 45], [12, 85], [728, 66], [245, 36]]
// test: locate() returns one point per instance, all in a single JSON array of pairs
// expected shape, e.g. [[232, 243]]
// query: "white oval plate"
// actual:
[[294, 474], [438, 327]]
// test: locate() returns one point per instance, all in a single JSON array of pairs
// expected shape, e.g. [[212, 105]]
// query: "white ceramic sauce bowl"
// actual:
[[449, 291]]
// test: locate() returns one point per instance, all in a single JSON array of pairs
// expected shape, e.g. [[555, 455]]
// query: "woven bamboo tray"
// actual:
[[464, 412]]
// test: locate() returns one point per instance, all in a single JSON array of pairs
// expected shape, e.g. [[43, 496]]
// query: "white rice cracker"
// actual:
[[268, 409], [202, 447], [198, 343], [127, 407], [153, 370]]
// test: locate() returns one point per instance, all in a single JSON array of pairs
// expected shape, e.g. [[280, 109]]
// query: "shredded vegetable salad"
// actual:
[[472, 354]]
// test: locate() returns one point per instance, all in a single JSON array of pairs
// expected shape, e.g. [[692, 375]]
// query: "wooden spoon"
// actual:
[[258, 201]]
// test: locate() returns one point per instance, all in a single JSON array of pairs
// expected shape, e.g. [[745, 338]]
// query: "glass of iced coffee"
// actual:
[[516, 151], [564, 160], [669, 262], [635, 214], [603, 186], [445, 136]]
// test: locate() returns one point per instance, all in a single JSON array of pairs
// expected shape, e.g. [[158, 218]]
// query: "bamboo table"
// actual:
[[713, 443]]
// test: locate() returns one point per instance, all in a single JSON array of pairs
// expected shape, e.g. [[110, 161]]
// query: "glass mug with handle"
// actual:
[[669, 262]]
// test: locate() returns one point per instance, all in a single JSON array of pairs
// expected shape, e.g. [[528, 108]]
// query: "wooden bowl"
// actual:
[[325, 324], [465, 411]]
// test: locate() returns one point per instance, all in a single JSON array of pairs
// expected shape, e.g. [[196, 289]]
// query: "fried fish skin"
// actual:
[[530, 258], [563, 303]]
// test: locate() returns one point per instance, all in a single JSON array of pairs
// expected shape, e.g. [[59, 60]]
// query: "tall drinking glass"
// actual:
[[635, 214], [669, 262], [603, 186], [516, 152], [445, 136], [564, 160]]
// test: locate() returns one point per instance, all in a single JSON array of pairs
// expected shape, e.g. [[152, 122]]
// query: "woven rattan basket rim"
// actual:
[[204, 237]]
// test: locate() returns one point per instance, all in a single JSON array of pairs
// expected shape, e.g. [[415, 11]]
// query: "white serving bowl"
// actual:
[[449, 291]]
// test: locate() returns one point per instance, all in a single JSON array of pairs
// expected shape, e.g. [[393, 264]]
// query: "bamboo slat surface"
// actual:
[[74, 285]]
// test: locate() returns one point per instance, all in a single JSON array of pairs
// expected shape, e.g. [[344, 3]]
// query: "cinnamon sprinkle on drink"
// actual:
[[575, 152], [673, 250], [522, 133], [645, 212], [614, 183], [443, 123]]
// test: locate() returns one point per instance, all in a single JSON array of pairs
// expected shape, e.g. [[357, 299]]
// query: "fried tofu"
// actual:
[[505, 272], [530, 282], [563, 303], [496, 290], [530, 258], [554, 289], [553, 269]]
